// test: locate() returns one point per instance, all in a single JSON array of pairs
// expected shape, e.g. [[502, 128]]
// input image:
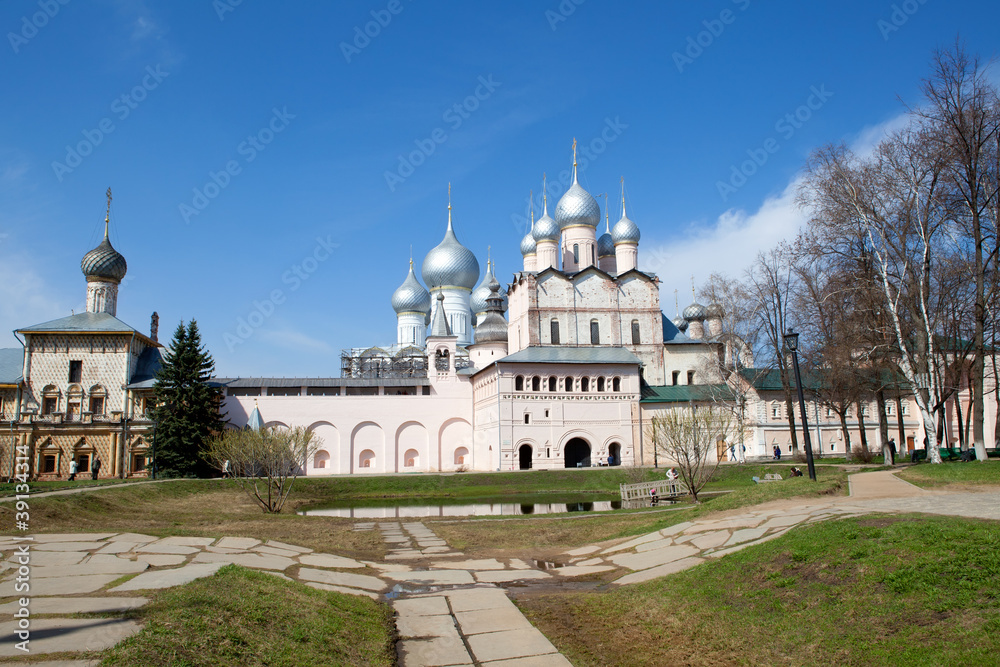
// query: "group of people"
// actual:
[[795, 472], [95, 469]]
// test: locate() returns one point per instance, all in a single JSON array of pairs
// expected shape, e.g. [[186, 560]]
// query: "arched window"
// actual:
[[600, 384], [635, 332], [366, 459], [527, 418], [519, 383], [321, 458], [584, 384], [411, 458], [554, 331], [536, 383], [568, 384], [595, 333], [97, 402], [616, 384], [460, 455], [441, 360], [576, 253], [553, 381]]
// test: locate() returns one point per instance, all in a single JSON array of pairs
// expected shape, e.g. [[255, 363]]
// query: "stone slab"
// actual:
[[255, 561], [340, 589], [68, 546], [161, 548], [118, 566], [188, 541], [783, 521], [434, 651], [591, 561], [53, 635], [168, 578], [423, 606], [136, 538], [676, 528], [661, 571], [69, 585], [547, 660], [226, 550], [633, 543], [433, 577], [342, 579], [471, 599], [328, 560], [44, 558], [583, 551], [509, 644], [161, 560], [711, 540], [425, 626], [275, 551], [117, 547], [61, 605], [42, 538], [745, 535], [290, 547], [518, 564], [580, 570], [474, 564], [503, 576], [243, 543], [649, 559], [491, 620], [436, 550]]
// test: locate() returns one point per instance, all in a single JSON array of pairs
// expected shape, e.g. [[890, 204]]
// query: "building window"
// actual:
[[527, 418], [554, 331], [593, 255], [97, 405], [890, 409], [864, 410], [546, 413], [568, 384], [676, 376], [75, 371], [775, 410], [635, 332], [600, 384], [576, 253], [584, 384], [536, 383], [48, 463], [49, 405], [138, 462], [616, 384], [906, 409], [553, 381], [595, 333], [690, 377], [829, 412], [519, 383]]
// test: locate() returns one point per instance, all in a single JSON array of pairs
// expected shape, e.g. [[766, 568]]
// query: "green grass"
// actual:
[[82, 481], [243, 618], [929, 475], [865, 591]]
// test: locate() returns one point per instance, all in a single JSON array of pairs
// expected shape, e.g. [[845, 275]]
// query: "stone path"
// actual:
[[450, 609]]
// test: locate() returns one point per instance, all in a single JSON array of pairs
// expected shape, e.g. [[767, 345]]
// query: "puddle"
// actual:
[[507, 508], [548, 564]]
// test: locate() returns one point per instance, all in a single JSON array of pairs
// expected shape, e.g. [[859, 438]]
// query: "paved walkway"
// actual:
[[450, 610]]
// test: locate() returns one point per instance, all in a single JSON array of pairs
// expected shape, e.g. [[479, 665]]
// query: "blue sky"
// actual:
[[266, 158]]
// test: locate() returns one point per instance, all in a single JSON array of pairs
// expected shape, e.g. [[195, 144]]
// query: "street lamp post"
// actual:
[[792, 341]]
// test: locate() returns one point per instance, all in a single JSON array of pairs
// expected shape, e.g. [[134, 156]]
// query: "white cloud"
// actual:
[[25, 299]]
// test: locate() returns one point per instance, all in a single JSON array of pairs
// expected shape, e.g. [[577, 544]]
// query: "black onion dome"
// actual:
[[104, 262]]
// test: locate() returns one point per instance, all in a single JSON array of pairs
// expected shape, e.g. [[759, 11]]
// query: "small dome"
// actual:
[[492, 328], [411, 297], [714, 311], [546, 228], [680, 323], [625, 231], [480, 295], [528, 245], [695, 311], [104, 262], [577, 207], [605, 246], [450, 264]]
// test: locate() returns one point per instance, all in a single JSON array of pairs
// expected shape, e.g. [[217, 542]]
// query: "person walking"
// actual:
[[73, 468], [95, 468], [892, 451], [225, 469]]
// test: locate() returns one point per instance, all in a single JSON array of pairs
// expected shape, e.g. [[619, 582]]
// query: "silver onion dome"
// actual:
[[545, 228], [411, 297], [625, 231], [492, 328], [478, 303], [680, 323], [605, 246], [528, 245], [715, 311], [450, 264], [104, 262], [577, 207], [695, 311]]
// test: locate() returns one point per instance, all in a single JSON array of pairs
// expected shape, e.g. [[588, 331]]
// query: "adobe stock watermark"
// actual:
[[696, 44], [122, 107], [294, 277], [455, 116], [587, 152], [785, 127], [363, 35], [898, 17], [562, 12], [31, 25], [248, 149], [223, 7]]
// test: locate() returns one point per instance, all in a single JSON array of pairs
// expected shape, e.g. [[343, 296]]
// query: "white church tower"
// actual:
[[546, 234], [625, 236], [412, 304], [104, 268], [578, 215]]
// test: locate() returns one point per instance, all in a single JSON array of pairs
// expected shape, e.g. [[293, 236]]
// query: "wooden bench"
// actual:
[[668, 489], [769, 477]]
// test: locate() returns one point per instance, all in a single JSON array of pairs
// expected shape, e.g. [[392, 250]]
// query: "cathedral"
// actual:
[[565, 366]]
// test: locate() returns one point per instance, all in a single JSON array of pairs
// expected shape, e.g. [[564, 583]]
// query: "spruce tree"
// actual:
[[187, 411]]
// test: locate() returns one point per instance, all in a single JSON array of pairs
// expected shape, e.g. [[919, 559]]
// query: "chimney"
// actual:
[[154, 327]]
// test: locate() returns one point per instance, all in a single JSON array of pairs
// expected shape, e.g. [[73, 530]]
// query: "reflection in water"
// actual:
[[474, 509]]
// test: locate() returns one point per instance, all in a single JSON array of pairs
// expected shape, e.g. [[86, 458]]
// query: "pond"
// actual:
[[468, 507]]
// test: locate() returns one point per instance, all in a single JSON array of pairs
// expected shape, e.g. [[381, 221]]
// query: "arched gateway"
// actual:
[[524, 457], [577, 453]]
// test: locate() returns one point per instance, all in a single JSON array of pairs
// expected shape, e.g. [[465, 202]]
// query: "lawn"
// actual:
[[931, 475], [899, 590], [243, 618], [83, 481]]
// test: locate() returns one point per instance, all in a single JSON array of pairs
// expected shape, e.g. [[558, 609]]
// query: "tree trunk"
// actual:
[[930, 426], [846, 431], [996, 423], [958, 420], [899, 422], [883, 428], [861, 427]]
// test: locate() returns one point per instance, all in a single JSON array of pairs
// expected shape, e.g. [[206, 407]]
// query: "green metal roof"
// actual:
[[556, 354], [686, 393]]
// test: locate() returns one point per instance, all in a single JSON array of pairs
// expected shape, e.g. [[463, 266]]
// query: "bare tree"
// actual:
[[264, 463], [689, 437]]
